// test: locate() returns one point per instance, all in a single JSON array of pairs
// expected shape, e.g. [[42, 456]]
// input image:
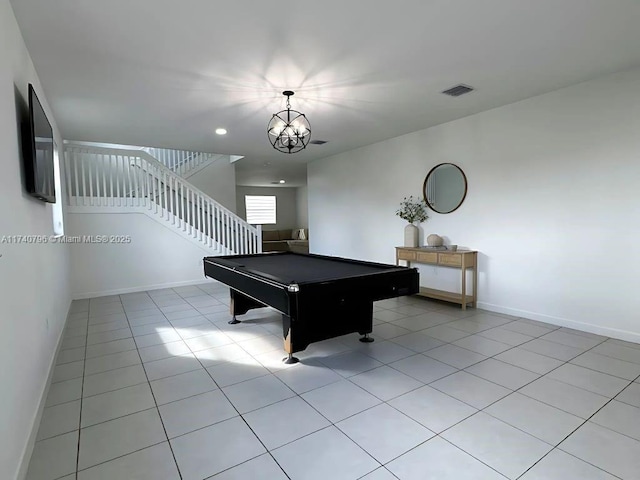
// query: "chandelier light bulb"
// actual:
[[277, 129]]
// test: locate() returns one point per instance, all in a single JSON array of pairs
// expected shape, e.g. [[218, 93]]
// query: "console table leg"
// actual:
[[464, 288], [475, 287], [234, 321]]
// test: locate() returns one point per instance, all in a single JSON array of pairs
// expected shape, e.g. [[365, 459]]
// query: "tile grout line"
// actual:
[[240, 415], [514, 391], [84, 365], [386, 402], [383, 402], [331, 423], [463, 450], [415, 353], [520, 345], [157, 409], [556, 446], [126, 414]]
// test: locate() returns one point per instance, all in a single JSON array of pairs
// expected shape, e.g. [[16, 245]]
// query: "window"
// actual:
[[261, 209], [58, 217]]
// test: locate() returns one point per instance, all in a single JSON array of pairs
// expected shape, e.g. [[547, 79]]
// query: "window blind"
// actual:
[[261, 209]]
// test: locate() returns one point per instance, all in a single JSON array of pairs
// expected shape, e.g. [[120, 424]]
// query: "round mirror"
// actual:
[[444, 188]]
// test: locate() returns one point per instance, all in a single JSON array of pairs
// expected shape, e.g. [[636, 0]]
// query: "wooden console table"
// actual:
[[461, 259]]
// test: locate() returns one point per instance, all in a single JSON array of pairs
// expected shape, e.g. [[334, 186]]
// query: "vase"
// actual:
[[411, 235], [434, 240]]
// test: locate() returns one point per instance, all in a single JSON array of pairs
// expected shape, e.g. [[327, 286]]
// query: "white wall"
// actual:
[[157, 257], [302, 207], [552, 205], [34, 278], [218, 180], [286, 206]]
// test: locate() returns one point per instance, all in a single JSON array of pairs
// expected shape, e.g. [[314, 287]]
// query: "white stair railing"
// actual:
[[181, 162], [121, 179]]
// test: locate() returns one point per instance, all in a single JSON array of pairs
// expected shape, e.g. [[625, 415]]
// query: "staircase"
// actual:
[[114, 180], [184, 163]]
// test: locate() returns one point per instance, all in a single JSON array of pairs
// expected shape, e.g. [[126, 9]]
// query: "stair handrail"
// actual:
[[204, 218], [157, 164], [185, 160]]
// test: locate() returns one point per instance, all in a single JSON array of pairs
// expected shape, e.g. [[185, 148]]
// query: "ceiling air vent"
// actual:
[[318, 142], [458, 90]]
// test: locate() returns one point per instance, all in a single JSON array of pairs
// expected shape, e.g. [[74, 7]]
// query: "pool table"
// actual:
[[319, 297]]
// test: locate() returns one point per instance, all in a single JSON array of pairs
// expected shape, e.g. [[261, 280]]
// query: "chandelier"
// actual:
[[289, 130]]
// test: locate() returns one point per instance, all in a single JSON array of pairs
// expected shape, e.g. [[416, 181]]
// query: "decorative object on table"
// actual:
[[412, 210], [445, 188], [434, 240], [453, 248], [289, 130]]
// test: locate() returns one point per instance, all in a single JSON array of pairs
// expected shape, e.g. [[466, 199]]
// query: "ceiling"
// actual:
[[168, 73]]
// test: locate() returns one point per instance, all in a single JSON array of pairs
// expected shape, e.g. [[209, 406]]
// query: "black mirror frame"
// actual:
[[424, 188]]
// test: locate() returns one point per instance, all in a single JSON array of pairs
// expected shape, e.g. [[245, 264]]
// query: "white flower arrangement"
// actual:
[[413, 210]]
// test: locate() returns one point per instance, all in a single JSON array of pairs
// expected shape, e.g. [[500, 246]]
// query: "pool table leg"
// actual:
[[366, 338], [290, 359], [240, 304], [288, 347]]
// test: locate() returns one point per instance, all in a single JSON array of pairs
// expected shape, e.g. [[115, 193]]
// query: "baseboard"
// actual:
[[564, 322], [31, 442], [142, 288]]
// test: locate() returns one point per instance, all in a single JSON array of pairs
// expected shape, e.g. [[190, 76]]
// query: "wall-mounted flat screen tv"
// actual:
[[38, 152]]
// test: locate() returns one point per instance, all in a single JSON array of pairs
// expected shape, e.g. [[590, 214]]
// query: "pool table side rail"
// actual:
[[235, 263], [313, 255], [265, 291], [380, 285]]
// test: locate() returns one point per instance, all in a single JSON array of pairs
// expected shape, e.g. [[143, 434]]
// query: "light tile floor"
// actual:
[[156, 385]]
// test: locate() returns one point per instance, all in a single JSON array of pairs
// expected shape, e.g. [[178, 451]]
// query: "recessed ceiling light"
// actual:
[[221, 131], [282, 181]]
